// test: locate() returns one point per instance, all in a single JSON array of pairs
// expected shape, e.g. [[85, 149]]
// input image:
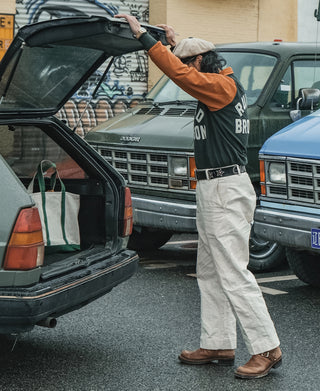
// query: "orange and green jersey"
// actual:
[[221, 124]]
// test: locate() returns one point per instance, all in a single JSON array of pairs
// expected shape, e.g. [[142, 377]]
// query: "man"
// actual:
[[225, 206]]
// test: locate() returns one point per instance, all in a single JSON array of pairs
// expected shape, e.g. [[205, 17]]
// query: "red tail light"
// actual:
[[128, 214], [26, 247]]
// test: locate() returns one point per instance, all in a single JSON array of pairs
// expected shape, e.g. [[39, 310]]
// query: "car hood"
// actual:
[[299, 139], [136, 127], [48, 62]]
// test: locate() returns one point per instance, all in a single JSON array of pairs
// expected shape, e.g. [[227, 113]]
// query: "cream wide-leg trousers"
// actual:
[[229, 291]]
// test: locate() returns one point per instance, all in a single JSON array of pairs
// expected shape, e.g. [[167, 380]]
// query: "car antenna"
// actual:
[[94, 93]]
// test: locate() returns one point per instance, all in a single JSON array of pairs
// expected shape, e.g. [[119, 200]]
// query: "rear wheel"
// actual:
[[305, 265], [148, 239]]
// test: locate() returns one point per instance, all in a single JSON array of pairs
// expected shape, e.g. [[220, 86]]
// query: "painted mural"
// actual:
[[126, 82]]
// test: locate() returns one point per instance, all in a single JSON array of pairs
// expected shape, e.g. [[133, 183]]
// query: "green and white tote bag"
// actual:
[[58, 211]]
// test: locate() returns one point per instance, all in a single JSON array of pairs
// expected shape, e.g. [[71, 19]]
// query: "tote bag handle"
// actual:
[[43, 166]]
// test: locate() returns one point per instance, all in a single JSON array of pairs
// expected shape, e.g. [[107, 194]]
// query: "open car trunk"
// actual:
[[66, 281], [25, 144]]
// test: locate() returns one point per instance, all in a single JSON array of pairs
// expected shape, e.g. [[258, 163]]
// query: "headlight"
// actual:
[[178, 166], [277, 172]]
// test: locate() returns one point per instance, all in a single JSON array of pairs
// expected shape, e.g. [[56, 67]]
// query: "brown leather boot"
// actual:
[[260, 365], [206, 356]]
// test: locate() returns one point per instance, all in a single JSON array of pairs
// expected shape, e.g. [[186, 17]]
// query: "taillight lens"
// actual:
[[26, 247], [128, 214]]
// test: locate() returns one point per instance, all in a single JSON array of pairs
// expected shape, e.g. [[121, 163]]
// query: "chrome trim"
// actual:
[[291, 229], [167, 215]]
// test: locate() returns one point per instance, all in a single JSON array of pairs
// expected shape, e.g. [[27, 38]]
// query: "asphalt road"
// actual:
[[130, 338]]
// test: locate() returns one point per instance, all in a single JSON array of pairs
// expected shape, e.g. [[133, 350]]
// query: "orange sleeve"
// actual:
[[215, 90]]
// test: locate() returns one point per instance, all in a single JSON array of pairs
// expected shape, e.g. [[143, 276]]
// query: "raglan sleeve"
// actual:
[[214, 90]]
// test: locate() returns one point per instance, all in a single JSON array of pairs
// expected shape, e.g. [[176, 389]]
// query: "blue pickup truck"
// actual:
[[289, 210]]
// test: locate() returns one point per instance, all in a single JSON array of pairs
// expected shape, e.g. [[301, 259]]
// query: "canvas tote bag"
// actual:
[[58, 211]]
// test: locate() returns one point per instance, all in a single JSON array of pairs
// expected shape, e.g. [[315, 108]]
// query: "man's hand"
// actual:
[[170, 34], [133, 23], [135, 27]]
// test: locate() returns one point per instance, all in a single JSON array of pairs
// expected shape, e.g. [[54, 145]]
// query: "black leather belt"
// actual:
[[211, 173]]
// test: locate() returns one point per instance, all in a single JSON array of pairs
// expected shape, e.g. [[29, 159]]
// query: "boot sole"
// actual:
[[227, 362], [277, 364]]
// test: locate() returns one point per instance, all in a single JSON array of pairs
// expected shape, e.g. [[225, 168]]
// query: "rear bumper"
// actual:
[[164, 214], [21, 309], [289, 228]]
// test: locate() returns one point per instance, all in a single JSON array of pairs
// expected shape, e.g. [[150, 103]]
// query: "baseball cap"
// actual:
[[189, 47]]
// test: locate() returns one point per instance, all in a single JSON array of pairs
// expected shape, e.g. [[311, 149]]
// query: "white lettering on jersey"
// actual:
[[199, 115], [200, 132], [244, 101], [241, 106], [242, 126]]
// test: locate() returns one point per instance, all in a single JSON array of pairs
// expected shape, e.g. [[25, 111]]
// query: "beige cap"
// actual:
[[189, 47]]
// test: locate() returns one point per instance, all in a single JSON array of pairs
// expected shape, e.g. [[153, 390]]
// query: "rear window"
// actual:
[[55, 72], [24, 147]]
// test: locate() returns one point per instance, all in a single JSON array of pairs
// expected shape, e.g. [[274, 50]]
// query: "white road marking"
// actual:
[[267, 290], [264, 289], [271, 291], [277, 278]]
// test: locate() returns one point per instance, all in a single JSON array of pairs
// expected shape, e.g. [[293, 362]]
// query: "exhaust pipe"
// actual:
[[48, 322]]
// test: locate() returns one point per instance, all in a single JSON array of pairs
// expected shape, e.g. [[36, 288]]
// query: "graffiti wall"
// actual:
[[126, 82]]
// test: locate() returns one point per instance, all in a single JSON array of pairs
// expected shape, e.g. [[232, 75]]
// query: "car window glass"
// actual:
[[282, 96], [252, 69], [166, 91], [55, 72], [306, 75], [23, 148]]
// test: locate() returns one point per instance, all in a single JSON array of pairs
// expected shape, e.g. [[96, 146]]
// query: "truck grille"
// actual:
[[139, 168], [303, 182]]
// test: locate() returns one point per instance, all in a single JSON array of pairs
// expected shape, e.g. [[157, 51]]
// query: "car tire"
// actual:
[[265, 255], [305, 265], [148, 239]]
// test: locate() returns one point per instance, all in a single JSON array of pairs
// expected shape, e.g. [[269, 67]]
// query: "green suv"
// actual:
[[152, 143]]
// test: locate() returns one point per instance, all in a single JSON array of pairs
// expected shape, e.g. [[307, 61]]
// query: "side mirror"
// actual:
[[295, 115], [308, 98]]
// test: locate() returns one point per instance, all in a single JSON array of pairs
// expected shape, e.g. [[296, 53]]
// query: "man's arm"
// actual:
[[214, 90]]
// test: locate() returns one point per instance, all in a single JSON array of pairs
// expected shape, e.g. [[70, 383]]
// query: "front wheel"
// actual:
[[148, 239], [305, 265], [264, 255]]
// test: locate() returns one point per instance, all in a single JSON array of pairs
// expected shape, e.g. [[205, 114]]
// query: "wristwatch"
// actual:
[[141, 31]]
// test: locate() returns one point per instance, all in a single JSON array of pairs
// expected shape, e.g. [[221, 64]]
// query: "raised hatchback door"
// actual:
[[48, 62]]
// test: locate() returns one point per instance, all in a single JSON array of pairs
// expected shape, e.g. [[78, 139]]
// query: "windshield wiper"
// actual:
[[176, 102]]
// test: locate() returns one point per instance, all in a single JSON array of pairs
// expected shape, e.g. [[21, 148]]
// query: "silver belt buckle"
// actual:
[[236, 169], [209, 173]]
